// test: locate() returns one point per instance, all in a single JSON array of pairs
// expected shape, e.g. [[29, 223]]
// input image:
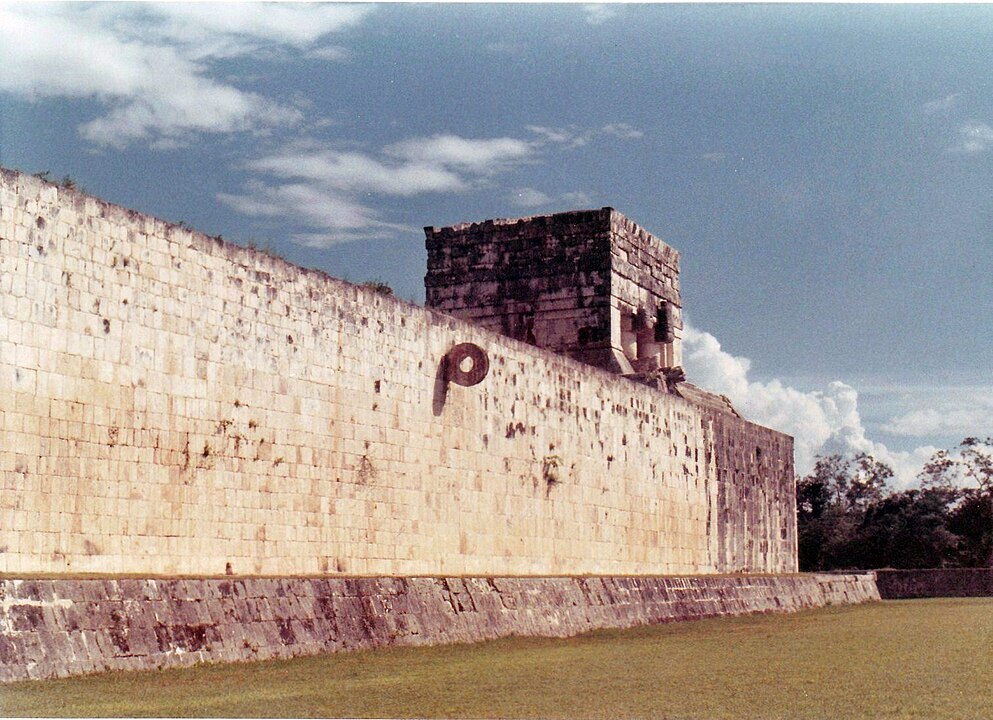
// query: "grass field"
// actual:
[[896, 659]]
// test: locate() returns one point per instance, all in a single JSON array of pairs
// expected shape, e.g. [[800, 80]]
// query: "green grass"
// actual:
[[896, 659]]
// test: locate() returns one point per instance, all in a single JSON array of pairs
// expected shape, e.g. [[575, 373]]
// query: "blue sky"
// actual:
[[825, 170]]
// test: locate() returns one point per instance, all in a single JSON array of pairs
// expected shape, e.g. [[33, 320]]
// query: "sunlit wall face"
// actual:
[[824, 170]]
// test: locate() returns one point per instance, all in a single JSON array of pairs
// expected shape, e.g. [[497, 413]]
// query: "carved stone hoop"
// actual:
[[466, 364]]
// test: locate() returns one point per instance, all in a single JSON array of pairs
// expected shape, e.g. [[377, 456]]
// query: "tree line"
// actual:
[[848, 518]]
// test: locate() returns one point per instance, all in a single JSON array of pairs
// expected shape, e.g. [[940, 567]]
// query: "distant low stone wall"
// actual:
[[944, 582], [55, 628]]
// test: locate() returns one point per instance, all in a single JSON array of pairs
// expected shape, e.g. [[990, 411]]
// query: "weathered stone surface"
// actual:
[[756, 499], [589, 284], [335, 614], [942, 582], [176, 405]]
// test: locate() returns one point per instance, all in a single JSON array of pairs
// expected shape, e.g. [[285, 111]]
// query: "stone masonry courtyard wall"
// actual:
[[54, 628], [936, 582], [174, 404]]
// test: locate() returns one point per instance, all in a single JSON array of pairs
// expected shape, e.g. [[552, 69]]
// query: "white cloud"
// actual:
[[714, 157], [821, 422], [442, 163], [229, 29], [334, 216], [623, 131], [479, 156], [333, 53], [181, 105], [529, 198], [326, 189], [577, 199], [973, 137], [305, 200], [149, 64], [569, 136], [960, 419], [344, 182], [942, 105], [573, 136], [597, 14], [341, 183], [359, 172]]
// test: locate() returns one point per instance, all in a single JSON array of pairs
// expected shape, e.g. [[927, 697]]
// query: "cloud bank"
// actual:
[[821, 422], [149, 65], [957, 418]]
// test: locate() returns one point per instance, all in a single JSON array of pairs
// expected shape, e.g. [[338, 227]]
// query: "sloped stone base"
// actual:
[[55, 628]]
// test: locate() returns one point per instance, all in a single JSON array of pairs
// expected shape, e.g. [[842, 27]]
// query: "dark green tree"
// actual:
[[972, 523], [969, 472], [867, 482], [906, 530], [830, 504], [847, 519]]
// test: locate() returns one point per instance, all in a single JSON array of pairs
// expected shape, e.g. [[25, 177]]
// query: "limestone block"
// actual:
[[201, 392]]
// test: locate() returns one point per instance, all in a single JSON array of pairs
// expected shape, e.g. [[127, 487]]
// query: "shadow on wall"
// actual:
[[440, 387]]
